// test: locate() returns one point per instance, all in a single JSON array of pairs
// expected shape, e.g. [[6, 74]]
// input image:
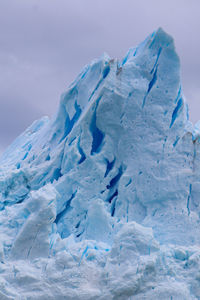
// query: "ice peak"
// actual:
[[107, 187]]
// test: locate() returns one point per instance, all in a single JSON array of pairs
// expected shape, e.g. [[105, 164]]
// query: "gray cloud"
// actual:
[[45, 43]]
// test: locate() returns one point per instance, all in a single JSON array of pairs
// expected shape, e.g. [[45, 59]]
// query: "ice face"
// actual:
[[102, 201]]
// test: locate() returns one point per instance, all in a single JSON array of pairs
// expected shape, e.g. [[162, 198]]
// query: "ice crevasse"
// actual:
[[103, 200]]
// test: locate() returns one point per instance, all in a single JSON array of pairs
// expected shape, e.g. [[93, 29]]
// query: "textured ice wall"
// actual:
[[102, 201]]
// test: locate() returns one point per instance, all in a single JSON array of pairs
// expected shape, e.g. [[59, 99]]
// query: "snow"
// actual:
[[102, 201]]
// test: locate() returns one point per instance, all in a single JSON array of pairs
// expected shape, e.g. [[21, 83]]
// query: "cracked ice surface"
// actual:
[[102, 201]]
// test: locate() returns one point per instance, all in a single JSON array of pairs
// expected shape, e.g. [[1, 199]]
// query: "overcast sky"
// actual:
[[45, 43]]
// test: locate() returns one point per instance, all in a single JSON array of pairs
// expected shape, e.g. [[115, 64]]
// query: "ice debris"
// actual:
[[102, 201]]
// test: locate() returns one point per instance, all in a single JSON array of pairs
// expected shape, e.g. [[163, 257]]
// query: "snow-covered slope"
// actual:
[[102, 201]]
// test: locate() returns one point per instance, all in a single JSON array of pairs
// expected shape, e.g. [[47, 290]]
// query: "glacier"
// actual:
[[102, 200]]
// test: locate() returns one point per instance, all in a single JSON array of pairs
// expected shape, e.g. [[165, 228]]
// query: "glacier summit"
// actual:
[[103, 200]]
